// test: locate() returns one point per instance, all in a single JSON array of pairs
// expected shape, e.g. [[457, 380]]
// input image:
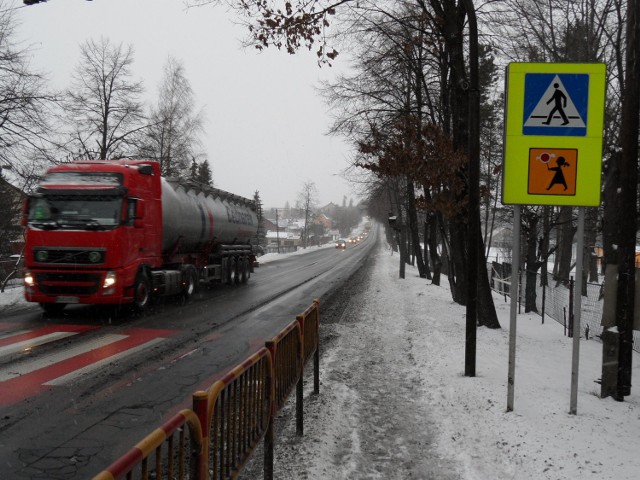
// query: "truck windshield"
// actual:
[[102, 179], [77, 212]]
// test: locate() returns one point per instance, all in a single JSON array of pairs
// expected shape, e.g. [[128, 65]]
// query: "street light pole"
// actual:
[[473, 226]]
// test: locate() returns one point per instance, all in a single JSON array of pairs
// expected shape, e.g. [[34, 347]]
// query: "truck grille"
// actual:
[[95, 256], [71, 283]]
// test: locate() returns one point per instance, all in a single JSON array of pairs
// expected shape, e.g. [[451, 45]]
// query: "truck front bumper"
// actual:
[[75, 286]]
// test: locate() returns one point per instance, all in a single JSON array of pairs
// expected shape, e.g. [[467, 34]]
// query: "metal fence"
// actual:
[[215, 439], [169, 452], [553, 300], [236, 413], [286, 351]]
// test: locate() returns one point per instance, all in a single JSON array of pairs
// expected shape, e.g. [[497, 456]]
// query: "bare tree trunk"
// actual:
[[590, 259], [426, 250], [612, 214], [457, 267], [431, 241], [412, 217], [490, 227], [531, 264], [400, 232], [628, 198], [403, 245], [543, 251], [565, 244], [487, 316]]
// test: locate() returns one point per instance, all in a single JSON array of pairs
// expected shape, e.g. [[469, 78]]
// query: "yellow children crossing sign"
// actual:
[[553, 133]]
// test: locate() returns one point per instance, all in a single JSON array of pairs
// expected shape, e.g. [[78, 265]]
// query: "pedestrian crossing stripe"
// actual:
[[556, 104], [13, 340], [32, 375]]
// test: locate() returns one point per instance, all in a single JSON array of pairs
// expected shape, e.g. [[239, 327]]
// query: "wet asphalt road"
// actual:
[[78, 423]]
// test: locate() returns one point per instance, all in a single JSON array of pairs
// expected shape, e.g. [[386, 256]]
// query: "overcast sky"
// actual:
[[265, 123]]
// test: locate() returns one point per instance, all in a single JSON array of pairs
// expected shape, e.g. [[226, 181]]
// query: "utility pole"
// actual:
[[277, 231], [473, 225], [628, 197]]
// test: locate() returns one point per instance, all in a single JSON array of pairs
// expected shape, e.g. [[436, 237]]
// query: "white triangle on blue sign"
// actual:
[[551, 107]]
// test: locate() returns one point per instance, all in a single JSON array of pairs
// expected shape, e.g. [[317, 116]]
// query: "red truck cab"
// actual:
[[92, 227]]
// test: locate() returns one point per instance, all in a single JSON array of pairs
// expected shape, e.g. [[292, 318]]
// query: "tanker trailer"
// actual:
[[116, 232]]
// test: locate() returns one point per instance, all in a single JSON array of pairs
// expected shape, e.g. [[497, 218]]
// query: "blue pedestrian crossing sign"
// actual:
[[554, 119], [556, 104]]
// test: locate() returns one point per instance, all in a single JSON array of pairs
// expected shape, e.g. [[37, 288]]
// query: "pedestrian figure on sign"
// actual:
[[558, 176], [560, 103]]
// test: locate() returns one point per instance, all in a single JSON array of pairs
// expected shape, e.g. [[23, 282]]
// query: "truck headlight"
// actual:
[[109, 280], [29, 279]]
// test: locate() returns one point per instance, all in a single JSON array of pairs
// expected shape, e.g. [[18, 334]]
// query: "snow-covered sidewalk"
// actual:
[[394, 402], [12, 299]]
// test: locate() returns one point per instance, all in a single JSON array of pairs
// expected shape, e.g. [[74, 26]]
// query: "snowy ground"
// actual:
[[394, 402], [12, 299]]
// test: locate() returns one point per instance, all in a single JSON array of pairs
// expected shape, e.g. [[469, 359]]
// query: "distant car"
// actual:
[[342, 243]]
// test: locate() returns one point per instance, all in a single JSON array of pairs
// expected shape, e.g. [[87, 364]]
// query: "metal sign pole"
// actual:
[[513, 292], [577, 302]]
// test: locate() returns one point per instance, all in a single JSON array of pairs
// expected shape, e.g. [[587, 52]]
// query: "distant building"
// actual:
[[282, 242], [270, 226], [330, 210], [322, 219], [290, 230]]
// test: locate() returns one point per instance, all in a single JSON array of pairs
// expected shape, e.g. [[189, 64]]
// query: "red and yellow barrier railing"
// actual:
[[230, 418], [310, 324], [236, 414], [171, 449], [286, 350]]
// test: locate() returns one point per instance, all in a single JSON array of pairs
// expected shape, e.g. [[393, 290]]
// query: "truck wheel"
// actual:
[[53, 309], [244, 270], [232, 271], [239, 268], [189, 281], [141, 292]]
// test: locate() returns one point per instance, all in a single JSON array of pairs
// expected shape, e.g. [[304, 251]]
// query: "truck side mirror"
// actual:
[[138, 220]]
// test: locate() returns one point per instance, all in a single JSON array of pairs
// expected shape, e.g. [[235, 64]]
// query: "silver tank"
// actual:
[[200, 214]]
